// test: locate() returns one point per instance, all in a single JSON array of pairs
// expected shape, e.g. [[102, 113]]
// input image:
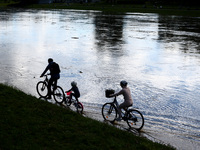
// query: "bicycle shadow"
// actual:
[[48, 100], [60, 104], [71, 108], [42, 98], [122, 125]]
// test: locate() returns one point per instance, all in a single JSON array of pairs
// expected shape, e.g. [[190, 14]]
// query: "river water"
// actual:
[[158, 55]]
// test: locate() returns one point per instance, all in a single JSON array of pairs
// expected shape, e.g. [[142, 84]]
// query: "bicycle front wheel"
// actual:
[[68, 102], [79, 108], [109, 112], [42, 89], [59, 94], [135, 119]]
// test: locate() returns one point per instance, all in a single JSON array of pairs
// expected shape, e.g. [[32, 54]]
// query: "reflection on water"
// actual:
[[109, 32], [186, 29], [157, 55]]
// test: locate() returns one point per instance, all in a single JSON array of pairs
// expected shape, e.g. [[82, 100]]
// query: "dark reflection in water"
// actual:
[[108, 31], [185, 31]]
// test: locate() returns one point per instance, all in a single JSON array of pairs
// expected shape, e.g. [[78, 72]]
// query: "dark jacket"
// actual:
[[54, 71], [75, 91]]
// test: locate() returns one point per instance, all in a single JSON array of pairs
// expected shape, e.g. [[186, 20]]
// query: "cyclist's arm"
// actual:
[[69, 90], [116, 94], [46, 69]]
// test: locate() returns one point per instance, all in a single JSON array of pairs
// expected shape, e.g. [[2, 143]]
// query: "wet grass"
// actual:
[[29, 123]]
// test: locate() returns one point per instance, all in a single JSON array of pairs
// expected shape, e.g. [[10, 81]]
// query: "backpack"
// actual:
[[55, 69]]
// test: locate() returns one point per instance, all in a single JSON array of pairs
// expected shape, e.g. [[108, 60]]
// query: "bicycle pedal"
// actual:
[[135, 120], [124, 118]]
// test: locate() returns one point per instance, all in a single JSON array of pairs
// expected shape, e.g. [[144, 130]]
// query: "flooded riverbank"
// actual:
[[157, 55]]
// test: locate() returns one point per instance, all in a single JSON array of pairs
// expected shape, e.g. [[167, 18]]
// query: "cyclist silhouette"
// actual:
[[128, 101], [75, 91], [55, 75]]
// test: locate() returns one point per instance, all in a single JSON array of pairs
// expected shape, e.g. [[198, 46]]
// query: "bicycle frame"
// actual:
[[115, 102], [78, 105], [47, 80], [74, 101]]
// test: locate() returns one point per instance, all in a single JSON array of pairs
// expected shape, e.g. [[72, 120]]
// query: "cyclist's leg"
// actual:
[[120, 111], [70, 97], [55, 78], [55, 83], [124, 106], [72, 94], [76, 97], [49, 87]]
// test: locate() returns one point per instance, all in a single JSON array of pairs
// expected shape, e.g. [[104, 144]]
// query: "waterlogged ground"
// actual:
[[159, 56]]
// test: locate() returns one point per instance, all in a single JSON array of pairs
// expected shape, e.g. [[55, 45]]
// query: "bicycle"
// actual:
[[78, 105], [57, 92], [133, 117]]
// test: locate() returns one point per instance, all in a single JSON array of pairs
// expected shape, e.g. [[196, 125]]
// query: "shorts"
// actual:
[[125, 105]]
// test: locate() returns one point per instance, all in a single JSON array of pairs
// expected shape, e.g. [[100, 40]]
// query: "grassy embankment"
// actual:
[[29, 123]]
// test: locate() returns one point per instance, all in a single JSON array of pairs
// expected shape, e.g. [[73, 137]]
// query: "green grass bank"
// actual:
[[29, 123]]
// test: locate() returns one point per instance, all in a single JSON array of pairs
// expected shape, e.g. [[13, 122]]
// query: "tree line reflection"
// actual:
[[109, 29], [183, 30]]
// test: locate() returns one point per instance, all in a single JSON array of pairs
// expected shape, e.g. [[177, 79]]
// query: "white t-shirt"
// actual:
[[127, 95]]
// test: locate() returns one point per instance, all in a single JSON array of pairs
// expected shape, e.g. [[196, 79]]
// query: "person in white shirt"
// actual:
[[128, 101]]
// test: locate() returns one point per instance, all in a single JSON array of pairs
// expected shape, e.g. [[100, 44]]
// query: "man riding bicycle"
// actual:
[[55, 75], [128, 101]]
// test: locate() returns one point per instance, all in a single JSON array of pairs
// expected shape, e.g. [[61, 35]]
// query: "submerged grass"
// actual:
[[29, 123]]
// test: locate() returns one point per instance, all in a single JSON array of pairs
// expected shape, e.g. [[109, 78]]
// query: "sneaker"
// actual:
[[118, 119], [124, 118]]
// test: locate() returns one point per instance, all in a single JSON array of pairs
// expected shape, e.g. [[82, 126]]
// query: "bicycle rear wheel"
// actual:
[[59, 94], [42, 89], [135, 119], [79, 108], [109, 112]]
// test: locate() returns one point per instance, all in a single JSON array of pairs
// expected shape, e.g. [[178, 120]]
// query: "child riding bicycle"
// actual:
[[74, 91], [128, 101]]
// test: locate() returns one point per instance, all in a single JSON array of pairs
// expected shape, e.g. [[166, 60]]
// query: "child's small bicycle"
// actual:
[[75, 102]]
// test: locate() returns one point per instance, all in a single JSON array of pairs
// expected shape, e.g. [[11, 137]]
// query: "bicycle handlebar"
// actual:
[[45, 75]]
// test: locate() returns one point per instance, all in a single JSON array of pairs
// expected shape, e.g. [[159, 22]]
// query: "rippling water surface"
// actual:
[[159, 56]]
